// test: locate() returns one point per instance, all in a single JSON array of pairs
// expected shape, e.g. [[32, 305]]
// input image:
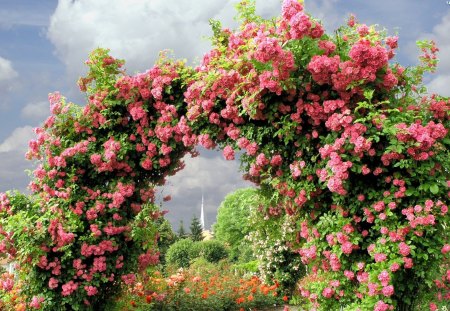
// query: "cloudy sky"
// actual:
[[44, 44]]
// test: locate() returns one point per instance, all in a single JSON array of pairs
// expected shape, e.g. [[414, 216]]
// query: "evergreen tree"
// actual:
[[196, 229], [181, 231]]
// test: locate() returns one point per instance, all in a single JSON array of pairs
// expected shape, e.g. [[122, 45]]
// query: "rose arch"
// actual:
[[344, 140]]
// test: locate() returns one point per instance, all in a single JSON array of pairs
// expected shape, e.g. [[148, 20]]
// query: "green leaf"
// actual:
[[368, 94], [434, 189]]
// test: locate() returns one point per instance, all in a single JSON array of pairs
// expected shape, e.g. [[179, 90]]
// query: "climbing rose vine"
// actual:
[[347, 142]]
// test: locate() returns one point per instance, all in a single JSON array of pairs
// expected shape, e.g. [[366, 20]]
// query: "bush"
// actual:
[[180, 253], [213, 251]]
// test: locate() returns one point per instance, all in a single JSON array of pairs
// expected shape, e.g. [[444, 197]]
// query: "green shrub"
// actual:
[[179, 253], [213, 251], [250, 267]]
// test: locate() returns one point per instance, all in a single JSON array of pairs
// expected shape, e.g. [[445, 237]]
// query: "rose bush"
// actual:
[[91, 222], [348, 141]]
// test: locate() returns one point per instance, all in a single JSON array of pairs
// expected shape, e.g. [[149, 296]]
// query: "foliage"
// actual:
[[233, 220], [181, 231], [213, 251], [272, 234], [355, 150], [166, 237], [196, 229], [181, 253], [204, 286], [92, 206], [348, 143]]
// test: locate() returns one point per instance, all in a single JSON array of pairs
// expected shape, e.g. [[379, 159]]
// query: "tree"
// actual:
[[166, 237], [196, 229], [232, 218], [181, 231]]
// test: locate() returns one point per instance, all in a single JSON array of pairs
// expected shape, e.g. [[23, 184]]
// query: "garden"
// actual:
[[347, 151]]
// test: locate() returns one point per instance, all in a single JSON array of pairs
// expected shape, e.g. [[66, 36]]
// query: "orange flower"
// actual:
[[20, 307], [285, 298], [240, 300], [187, 290], [250, 298]]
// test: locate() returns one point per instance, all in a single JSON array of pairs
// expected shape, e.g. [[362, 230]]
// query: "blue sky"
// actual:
[[44, 44]]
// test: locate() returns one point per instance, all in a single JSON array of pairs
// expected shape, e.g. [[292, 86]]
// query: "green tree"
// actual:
[[232, 219], [166, 237], [181, 231], [196, 229]]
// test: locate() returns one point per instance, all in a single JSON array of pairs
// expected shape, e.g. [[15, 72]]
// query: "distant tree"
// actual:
[[196, 229], [166, 237], [232, 219], [181, 231]]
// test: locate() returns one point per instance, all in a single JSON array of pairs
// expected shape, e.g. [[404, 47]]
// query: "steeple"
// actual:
[[202, 216]]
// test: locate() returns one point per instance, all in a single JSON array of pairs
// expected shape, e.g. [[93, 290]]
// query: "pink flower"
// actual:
[[381, 306], [276, 160], [36, 302], [228, 153], [347, 248], [384, 277], [404, 249], [373, 289], [394, 267], [445, 249], [349, 274], [53, 283], [69, 288], [328, 292], [408, 262], [129, 278], [261, 160], [147, 259], [380, 257], [91, 290], [388, 290], [384, 230], [362, 277]]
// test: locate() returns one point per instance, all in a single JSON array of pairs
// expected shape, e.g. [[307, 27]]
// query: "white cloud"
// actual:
[[211, 175], [18, 140], [7, 75], [13, 163], [137, 30], [12, 171], [440, 85], [36, 111], [441, 81]]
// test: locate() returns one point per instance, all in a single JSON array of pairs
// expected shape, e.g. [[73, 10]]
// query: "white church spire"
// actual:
[[202, 216]]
